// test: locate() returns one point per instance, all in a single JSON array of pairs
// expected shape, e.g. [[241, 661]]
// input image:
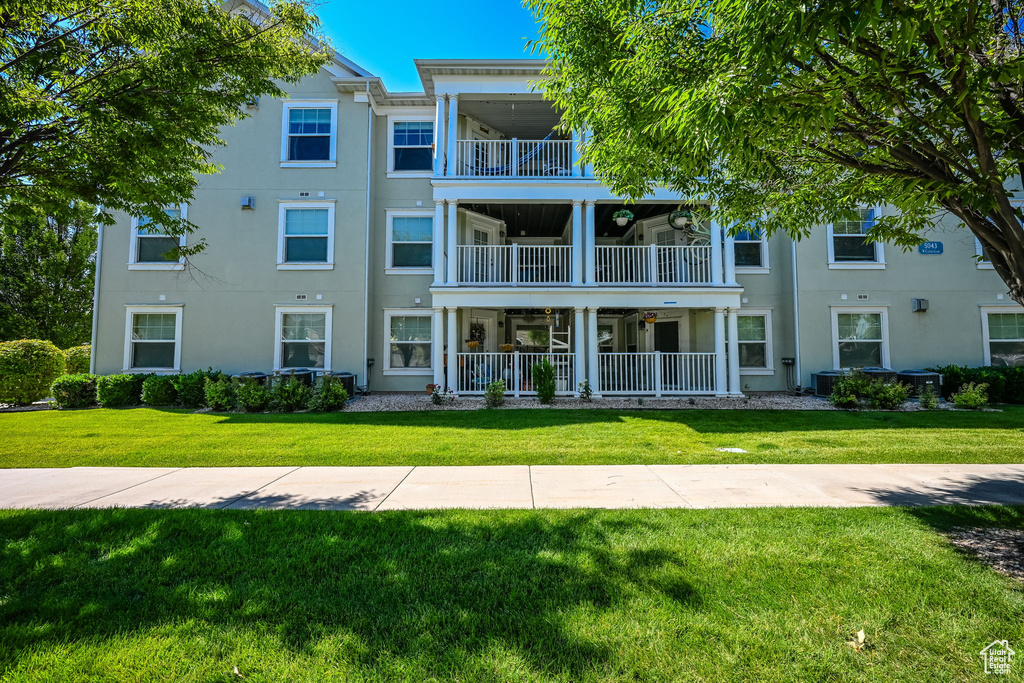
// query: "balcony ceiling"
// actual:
[[550, 220], [523, 119]]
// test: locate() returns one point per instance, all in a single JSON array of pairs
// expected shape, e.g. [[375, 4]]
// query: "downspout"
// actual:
[[796, 321], [96, 297], [366, 251]]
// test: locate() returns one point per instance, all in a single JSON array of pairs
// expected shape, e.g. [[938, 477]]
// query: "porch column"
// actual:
[[437, 346], [588, 169], [439, 137], [589, 242], [575, 168], [720, 388], [453, 131], [453, 348], [577, 242], [580, 348], [730, 259], [734, 354], [592, 368], [438, 251], [451, 242], [716, 254]]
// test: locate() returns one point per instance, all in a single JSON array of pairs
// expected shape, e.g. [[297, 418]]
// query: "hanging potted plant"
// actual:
[[507, 347], [622, 216], [650, 317], [681, 218], [472, 343]]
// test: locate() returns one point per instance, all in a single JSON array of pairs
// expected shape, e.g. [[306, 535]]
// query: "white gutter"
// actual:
[[366, 254], [796, 319], [96, 297]]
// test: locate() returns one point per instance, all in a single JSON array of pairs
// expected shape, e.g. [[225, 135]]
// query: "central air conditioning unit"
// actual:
[[823, 382], [348, 380], [885, 374], [919, 379]]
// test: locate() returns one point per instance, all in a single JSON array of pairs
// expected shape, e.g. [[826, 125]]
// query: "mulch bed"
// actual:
[[1001, 549]]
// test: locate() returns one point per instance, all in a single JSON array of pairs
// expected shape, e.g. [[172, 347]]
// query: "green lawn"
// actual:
[[713, 595], [150, 437]]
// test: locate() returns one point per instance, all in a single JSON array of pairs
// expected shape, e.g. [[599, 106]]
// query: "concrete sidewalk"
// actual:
[[516, 486]]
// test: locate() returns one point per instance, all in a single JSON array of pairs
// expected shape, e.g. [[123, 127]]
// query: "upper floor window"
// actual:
[[848, 245], [983, 259], [151, 245], [1004, 339], [310, 133], [153, 338], [412, 146], [410, 240], [306, 236], [750, 250]]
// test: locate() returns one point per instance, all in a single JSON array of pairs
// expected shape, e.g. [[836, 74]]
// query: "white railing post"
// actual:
[[452, 241], [653, 261], [657, 374], [514, 265], [453, 131], [516, 375], [515, 158], [589, 245]]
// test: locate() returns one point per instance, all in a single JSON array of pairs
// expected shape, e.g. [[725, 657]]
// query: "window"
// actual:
[[750, 251], [983, 260], [408, 348], [848, 245], [860, 338], [410, 240], [151, 244], [1004, 338], [152, 338], [605, 338], [310, 133], [753, 334], [412, 146], [303, 337], [306, 239]]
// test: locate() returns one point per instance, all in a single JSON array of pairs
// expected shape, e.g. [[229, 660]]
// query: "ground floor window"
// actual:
[[753, 333], [303, 338], [410, 339], [153, 338], [860, 338], [1005, 339]]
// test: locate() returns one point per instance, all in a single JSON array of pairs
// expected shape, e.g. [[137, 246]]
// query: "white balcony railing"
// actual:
[[656, 373], [474, 371], [514, 265], [513, 158], [653, 265]]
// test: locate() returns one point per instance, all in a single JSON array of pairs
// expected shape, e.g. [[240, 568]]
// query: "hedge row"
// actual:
[[1005, 385]]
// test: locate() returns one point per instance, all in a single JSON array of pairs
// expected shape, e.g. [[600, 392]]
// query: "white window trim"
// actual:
[[390, 313], [877, 264], [130, 312], [769, 349], [979, 252], [985, 339], [300, 265], [280, 311], [403, 118], [883, 310], [310, 104], [133, 247], [764, 268], [389, 267]]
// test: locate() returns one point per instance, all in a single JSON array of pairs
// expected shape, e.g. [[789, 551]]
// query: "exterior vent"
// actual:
[[862, 297], [249, 203], [300, 297], [303, 194]]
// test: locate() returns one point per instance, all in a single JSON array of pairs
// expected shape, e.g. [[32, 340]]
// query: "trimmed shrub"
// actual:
[[74, 391], [27, 369], [928, 398], [191, 387], [328, 394], [1005, 385], [220, 394], [158, 390], [289, 394], [252, 397], [971, 396], [544, 381], [76, 359], [120, 391], [494, 394], [846, 401], [888, 396]]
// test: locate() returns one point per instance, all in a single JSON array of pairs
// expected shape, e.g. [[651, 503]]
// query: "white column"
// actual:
[[716, 254], [437, 347], [453, 131], [438, 252], [734, 354], [439, 137], [451, 242], [453, 348], [577, 243], [575, 169], [592, 367], [730, 259], [589, 243], [580, 347], [720, 387], [588, 169]]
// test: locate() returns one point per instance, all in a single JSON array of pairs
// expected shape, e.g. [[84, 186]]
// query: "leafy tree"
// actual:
[[790, 114], [118, 102], [46, 274]]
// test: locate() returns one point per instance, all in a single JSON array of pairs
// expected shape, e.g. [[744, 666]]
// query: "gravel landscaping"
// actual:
[[1001, 549]]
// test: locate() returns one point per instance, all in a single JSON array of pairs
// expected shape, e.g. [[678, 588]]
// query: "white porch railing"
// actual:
[[656, 373], [514, 265], [513, 158], [474, 371], [653, 265]]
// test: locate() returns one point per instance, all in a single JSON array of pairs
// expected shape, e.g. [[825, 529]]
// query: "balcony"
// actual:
[[653, 265], [514, 159], [513, 265], [656, 373]]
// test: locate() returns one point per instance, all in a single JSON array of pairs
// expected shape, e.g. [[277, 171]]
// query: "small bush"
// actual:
[[440, 396], [494, 394], [586, 392], [251, 396], [76, 359], [159, 390], [289, 394], [27, 369], [971, 396], [74, 391], [844, 400], [191, 387], [328, 394], [887, 396], [544, 382], [219, 394], [928, 398], [120, 391]]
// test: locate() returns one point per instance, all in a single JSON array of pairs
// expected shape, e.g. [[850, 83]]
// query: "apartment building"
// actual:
[[452, 236]]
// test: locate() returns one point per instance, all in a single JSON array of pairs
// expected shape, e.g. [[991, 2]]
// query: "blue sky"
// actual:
[[384, 36]]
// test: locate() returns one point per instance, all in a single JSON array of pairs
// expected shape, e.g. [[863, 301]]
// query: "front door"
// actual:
[[669, 262], [666, 340]]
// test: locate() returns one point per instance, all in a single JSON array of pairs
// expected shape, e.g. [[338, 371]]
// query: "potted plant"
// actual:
[[680, 218], [650, 317], [472, 343], [622, 216], [507, 347]]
